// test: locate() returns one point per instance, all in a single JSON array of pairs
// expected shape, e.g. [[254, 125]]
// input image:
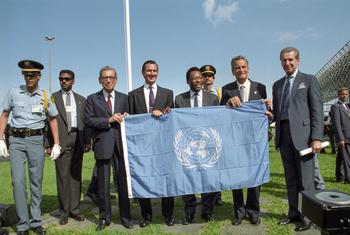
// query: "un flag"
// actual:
[[196, 150]]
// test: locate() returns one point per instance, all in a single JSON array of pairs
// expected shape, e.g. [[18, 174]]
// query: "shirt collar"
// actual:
[[245, 84], [146, 86], [65, 92], [199, 93], [293, 75], [105, 94], [23, 89]]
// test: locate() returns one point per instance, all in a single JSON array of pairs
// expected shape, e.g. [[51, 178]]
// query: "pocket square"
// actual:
[[302, 86]]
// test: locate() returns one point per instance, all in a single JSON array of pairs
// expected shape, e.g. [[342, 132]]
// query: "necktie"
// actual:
[[195, 102], [151, 99], [109, 103], [241, 93], [69, 115], [285, 100]]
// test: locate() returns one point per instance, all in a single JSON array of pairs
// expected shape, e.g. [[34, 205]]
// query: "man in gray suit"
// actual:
[[340, 114], [74, 139], [196, 97], [298, 112], [233, 94], [151, 98]]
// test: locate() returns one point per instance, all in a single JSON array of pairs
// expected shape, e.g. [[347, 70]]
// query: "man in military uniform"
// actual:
[[208, 72], [29, 107]]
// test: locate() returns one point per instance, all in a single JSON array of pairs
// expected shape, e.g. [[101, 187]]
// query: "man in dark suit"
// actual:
[[151, 98], [104, 111], [298, 112], [340, 114], [196, 97], [233, 94], [74, 139]]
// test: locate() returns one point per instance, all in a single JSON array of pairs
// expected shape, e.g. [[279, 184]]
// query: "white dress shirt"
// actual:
[[72, 108]]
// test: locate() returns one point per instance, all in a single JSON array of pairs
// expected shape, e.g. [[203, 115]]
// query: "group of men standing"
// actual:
[[75, 121]]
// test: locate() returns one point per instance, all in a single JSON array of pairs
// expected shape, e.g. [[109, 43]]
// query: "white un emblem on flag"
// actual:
[[198, 147]]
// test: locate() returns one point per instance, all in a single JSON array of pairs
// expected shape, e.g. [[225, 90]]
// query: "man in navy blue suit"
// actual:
[[233, 94], [104, 111]]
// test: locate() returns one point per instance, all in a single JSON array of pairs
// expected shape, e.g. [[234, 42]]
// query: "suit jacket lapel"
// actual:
[[235, 90], [78, 104], [60, 105], [187, 99], [205, 99], [253, 88], [103, 102], [141, 100]]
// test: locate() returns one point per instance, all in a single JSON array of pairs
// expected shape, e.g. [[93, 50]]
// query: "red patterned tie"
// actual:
[[109, 103]]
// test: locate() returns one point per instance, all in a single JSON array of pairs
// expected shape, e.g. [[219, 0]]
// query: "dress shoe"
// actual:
[[169, 221], [236, 221], [102, 224], [26, 232], [144, 223], [77, 217], [188, 220], [63, 220], [302, 226], [39, 230], [255, 220], [207, 218], [285, 221], [127, 223]]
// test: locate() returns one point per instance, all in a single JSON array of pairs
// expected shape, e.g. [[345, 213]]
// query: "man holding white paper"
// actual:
[[298, 112]]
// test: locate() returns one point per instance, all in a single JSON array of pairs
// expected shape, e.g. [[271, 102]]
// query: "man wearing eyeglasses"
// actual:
[[30, 107], [103, 113], [75, 140]]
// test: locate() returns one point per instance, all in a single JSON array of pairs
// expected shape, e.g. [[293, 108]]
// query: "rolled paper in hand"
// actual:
[[309, 150]]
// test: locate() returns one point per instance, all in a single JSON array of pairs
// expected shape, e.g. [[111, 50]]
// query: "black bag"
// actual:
[[8, 215]]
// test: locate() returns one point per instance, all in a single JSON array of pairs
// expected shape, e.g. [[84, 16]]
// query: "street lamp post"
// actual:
[[49, 40]]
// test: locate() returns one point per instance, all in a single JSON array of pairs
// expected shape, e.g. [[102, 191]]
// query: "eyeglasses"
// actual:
[[30, 75], [67, 79], [108, 77]]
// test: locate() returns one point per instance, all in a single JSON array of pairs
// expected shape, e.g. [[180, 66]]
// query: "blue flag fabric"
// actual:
[[196, 150]]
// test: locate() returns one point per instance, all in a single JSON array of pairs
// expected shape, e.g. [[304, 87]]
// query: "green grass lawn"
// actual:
[[273, 203]]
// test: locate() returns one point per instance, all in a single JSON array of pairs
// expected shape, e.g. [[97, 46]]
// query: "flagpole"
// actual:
[[127, 43]]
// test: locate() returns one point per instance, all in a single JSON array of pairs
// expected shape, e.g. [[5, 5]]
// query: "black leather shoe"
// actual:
[[102, 224], [127, 223], [63, 220], [26, 232], [144, 223], [188, 220], [302, 226], [285, 221], [207, 218], [77, 217], [255, 220], [39, 230], [169, 221], [236, 221]]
